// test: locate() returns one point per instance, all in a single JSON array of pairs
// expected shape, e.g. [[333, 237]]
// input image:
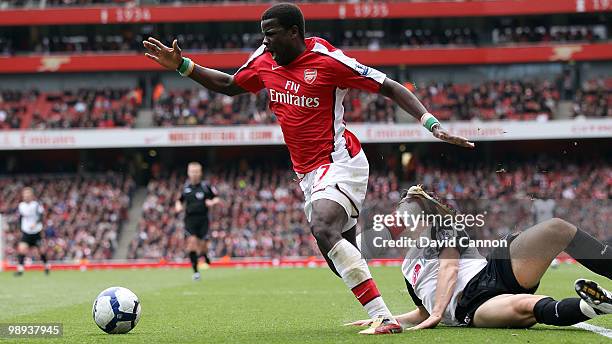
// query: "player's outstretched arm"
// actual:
[[411, 104], [447, 279], [171, 58]]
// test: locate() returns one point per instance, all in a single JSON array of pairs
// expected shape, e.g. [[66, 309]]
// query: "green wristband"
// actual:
[[184, 65], [428, 121]]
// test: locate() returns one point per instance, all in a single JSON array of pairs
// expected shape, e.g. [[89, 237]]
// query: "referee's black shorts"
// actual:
[[496, 278], [31, 239], [197, 225]]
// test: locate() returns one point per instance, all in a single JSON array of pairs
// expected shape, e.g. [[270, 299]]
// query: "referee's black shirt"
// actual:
[[194, 197]]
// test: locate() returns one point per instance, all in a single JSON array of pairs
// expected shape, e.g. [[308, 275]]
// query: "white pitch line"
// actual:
[[595, 329]]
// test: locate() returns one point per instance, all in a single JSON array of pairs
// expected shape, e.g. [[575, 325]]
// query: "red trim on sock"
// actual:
[[366, 291]]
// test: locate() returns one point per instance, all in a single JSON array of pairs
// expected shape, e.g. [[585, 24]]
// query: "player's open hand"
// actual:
[[445, 136], [168, 57], [365, 322], [431, 322]]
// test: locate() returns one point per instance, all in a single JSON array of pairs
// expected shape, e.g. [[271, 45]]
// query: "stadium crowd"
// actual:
[[199, 106], [504, 99], [594, 99], [499, 99], [84, 107], [261, 214], [487, 100], [83, 213], [581, 193]]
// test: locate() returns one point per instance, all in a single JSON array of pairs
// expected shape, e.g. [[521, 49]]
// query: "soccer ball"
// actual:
[[116, 310]]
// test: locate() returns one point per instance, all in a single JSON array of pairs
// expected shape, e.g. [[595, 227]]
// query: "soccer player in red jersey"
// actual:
[[306, 80]]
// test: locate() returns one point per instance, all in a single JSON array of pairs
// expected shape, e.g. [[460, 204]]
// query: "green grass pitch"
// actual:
[[250, 306]]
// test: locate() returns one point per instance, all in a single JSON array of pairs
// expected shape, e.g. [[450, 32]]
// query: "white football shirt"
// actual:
[[421, 266], [31, 216]]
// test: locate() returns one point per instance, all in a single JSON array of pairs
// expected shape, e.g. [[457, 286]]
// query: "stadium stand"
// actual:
[[262, 212], [85, 107], [499, 100], [581, 191], [104, 108], [594, 99], [129, 39], [261, 216]]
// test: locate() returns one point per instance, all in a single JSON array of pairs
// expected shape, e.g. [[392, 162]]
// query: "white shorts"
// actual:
[[344, 182]]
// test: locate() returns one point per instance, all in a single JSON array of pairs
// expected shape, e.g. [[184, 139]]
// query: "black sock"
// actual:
[[206, 258], [193, 256], [43, 257], [591, 253], [21, 259], [559, 313]]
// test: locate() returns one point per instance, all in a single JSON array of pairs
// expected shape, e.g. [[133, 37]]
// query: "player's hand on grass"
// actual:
[[365, 322], [167, 57], [431, 322], [445, 136]]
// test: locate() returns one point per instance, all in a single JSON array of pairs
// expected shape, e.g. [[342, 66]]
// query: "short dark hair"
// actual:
[[287, 15]]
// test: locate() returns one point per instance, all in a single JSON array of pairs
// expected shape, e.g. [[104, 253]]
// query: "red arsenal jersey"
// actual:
[[306, 97]]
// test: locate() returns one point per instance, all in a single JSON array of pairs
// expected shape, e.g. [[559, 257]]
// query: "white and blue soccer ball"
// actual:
[[116, 310]]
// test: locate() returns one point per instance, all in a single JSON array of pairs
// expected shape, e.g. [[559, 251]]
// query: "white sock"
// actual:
[[20, 268], [356, 275]]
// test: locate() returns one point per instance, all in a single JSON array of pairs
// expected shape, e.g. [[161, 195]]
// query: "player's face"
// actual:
[[27, 195], [278, 40], [195, 173]]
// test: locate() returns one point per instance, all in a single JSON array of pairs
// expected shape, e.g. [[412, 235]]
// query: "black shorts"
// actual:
[[197, 225], [496, 278], [31, 239]]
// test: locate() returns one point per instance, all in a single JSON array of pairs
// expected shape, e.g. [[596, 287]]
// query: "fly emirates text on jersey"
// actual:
[[290, 96]]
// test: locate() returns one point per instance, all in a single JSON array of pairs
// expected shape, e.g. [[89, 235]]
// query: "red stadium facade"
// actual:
[[312, 11], [540, 53]]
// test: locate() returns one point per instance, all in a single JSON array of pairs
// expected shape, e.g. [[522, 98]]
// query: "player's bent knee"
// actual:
[[561, 228], [325, 233]]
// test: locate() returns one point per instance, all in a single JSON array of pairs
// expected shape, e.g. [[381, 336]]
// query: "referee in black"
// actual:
[[197, 196]]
